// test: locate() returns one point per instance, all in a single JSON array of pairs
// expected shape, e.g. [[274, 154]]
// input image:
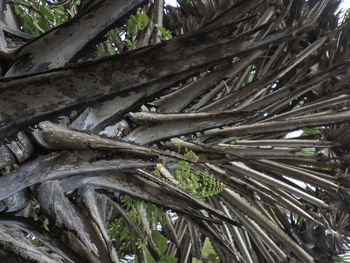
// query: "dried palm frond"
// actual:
[[217, 104]]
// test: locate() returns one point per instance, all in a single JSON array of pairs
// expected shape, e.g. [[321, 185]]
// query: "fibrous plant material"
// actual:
[[223, 136]]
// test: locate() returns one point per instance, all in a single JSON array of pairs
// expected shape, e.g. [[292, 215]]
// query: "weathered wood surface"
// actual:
[[59, 46], [65, 164], [33, 227], [59, 166], [6, 157], [53, 201], [24, 100], [58, 137], [159, 127], [19, 246]]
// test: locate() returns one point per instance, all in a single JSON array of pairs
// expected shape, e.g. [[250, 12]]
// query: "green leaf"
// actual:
[[142, 21], [208, 248], [101, 51], [149, 257], [47, 12], [132, 23], [28, 26], [347, 14], [112, 50], [70, 11], [113, 32], [34, 241], [19, 10], [43, 25], [166, 34], [46, 224], [36, 24], [306, 151], [168, 259], [160, 241], [162, 30], [311, 131], [213, 258], [131, 44], [60, 10]]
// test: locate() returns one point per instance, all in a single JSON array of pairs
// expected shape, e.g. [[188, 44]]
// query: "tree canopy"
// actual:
[[211, 131]]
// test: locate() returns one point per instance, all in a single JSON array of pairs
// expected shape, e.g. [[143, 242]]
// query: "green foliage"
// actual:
[[211, 186], [133, 206], [46, 224], [347, 14], [168, 259], [6, 170], [162, 246], [101, 51], [200, 184], [141, 243], [160, 241], [132, 23], [197, 183], [108, 47], [311, 131], [209, 251], [249, 78], [120, 231], [33, 240], [306, 151], [163, 258], [165, 34], [299, 105], [142, 21], [120, 234], [342, 258], [113, 32], [139, 21], [157, 170], [39, 16], [235, 140], [132, 44]]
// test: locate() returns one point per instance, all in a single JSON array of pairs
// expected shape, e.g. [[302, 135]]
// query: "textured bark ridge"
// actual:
[[197, 130], [57, 90]]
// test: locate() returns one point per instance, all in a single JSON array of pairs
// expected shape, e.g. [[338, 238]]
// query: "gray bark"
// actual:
[[77, 85]]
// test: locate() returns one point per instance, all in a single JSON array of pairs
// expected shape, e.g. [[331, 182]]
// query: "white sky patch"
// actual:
[[345, 5], [297, 182], [171, 2], [294, 134], [300, 183]]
